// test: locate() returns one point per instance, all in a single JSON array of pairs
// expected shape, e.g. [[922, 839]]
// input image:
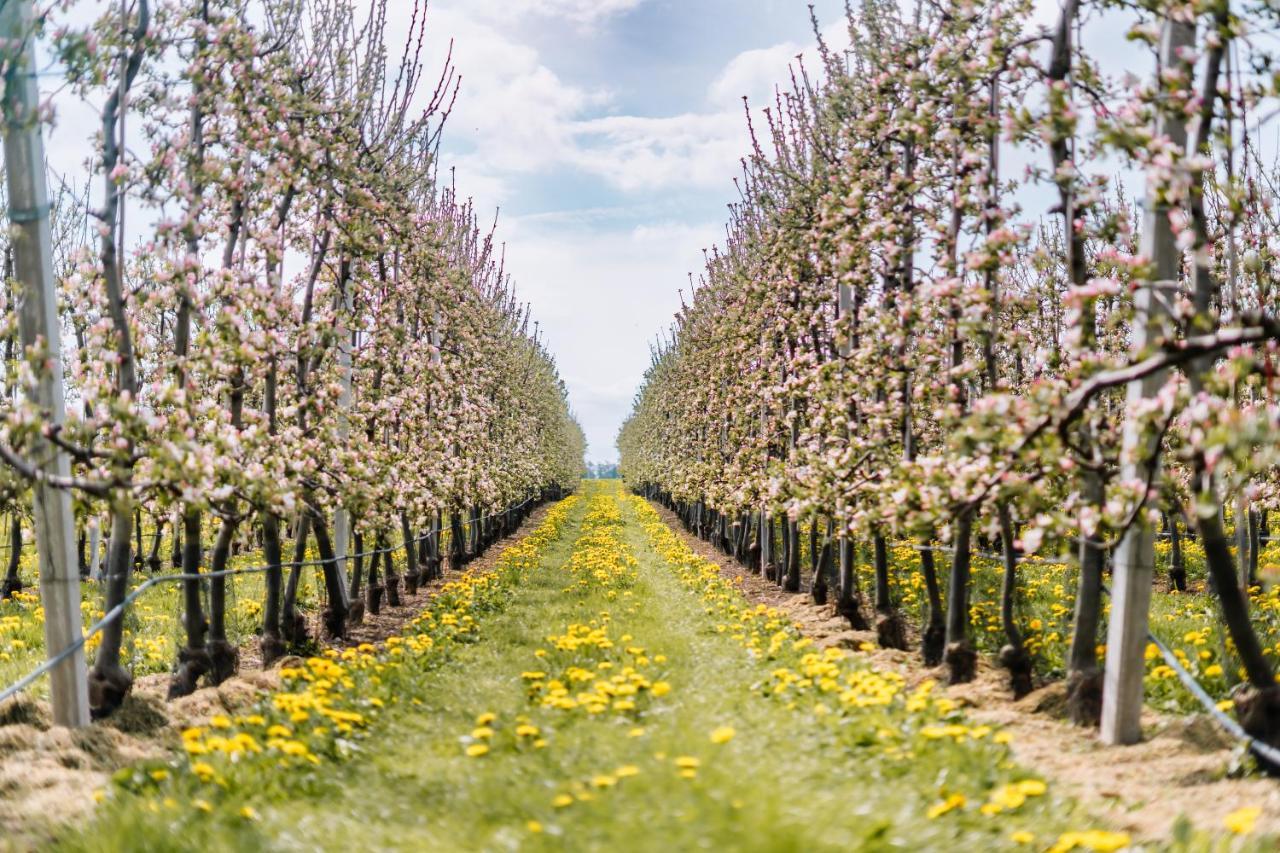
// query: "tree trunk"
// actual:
[[849, 600], [153, 556], [109, 682], [457, 556], [751, 557], [373, 594], [890, 629], [961, 659], [1084, 676], [12, 579], [95, 549], [137, 532], [437, 564], [1013, 656], [1177, 562], [175, 551], [817, 583], [423, 555], [1258, 705], [193, 659], [392, 579], [223, 657], [356, 614], [410, 556], [821, 564], [272, 645], [81, 551], [294, 625], [768, 555], [1255, 545], [335, 614], [934, 639], [792, 581]]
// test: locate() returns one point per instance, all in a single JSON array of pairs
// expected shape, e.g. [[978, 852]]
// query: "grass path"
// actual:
[[620, 695]]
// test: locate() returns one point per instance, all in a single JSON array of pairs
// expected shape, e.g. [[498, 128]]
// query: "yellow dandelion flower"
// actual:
[[938, 809], [1098, 840], [1242, 820]]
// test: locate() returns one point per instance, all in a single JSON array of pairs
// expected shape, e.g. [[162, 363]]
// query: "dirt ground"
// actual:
[[1180, 769], [49, 774]]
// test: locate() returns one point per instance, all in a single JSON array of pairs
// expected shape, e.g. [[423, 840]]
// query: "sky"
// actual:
[[607, 134]]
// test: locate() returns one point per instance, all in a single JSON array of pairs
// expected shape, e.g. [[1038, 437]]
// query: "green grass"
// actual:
[[796, 774]]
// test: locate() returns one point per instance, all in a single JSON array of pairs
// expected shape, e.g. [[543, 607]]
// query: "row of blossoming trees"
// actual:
[[284, 322], [941, 317]]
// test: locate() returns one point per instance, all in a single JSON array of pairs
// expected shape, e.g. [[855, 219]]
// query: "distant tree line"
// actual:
[[602, 470]]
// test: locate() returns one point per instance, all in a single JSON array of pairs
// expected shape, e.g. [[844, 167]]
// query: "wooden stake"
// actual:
[[38, 321], [1122, 695]]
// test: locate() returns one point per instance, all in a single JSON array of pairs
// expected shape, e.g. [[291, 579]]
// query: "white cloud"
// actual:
[[754, 73], [513, 112], [516, 117], [634, 153], [576, 11]]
